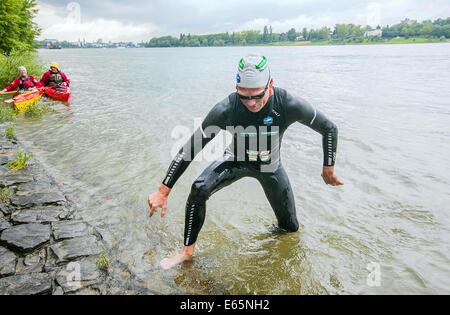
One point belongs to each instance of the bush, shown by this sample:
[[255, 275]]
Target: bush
[[9, 65], [18, 31]]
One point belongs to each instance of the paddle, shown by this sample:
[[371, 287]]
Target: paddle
[[6, 93], [9, 93]]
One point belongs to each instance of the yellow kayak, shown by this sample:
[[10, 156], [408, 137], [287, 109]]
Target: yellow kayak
[[23, 101]]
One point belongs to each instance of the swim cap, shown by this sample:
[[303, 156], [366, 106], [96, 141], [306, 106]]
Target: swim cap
[[253, 72]]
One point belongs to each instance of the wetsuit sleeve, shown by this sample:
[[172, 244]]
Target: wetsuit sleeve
[[214, 122], [300, 110]]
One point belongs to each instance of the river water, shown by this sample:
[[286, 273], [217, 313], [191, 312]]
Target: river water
[[386, 231]]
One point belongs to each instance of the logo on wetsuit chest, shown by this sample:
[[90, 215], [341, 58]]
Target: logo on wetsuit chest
[[268, 121], [264, 156]]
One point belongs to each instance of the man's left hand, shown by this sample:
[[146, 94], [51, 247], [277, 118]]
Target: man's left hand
[[329, 177]]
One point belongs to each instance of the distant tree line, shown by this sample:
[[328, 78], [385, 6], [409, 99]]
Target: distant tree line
[[342, 33], [439, 28]]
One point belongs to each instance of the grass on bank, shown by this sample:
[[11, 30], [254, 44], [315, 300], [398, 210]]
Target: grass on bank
[[21, 161], [393, 41], [38, 109], [288, 43], [10, 133], [5, 195], [35, 111], [7, 114], [103, 263], [417, 40], [9, 65]]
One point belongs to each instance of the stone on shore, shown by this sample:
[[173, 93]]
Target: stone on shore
[[7, 262], [4, 224], [58, 291], [69, 229], [75, 248], [44, 249], [30, 284], [6, 146], [6, 157], [26, 237], [26, 199], [5, 209], [33, 263], [79, 275], [40, 215], [8, 178]]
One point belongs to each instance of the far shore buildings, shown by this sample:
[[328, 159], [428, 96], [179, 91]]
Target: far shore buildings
[[374, 33], [52, 44], [82, 43]]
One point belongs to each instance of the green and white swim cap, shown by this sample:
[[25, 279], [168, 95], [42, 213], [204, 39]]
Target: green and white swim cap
[[253, 72]]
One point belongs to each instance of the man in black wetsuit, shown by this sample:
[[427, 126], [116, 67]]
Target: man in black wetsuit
[[257, 115]]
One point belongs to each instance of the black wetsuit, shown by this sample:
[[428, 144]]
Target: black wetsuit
[[254, 152]]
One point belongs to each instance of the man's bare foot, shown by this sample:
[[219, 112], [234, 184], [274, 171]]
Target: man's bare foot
[[174, 260]]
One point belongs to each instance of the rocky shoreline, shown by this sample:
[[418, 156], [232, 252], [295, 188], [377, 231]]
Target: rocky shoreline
[[45, 248]]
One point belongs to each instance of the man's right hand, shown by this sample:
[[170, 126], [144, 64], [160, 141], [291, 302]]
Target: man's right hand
[[159, 200]]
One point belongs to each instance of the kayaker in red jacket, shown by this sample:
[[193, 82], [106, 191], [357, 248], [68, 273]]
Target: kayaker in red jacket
[[55, 77], [23, 82]]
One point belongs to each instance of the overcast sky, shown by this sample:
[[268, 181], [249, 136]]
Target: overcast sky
[[136, 20]]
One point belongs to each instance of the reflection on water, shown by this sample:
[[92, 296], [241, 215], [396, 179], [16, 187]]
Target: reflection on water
[[112, 147]]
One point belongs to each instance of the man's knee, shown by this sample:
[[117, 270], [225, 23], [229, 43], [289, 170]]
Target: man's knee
[[199, 190]]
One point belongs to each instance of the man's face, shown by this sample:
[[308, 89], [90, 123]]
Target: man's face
[[23, 72], [255, 105], [53, 69]]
